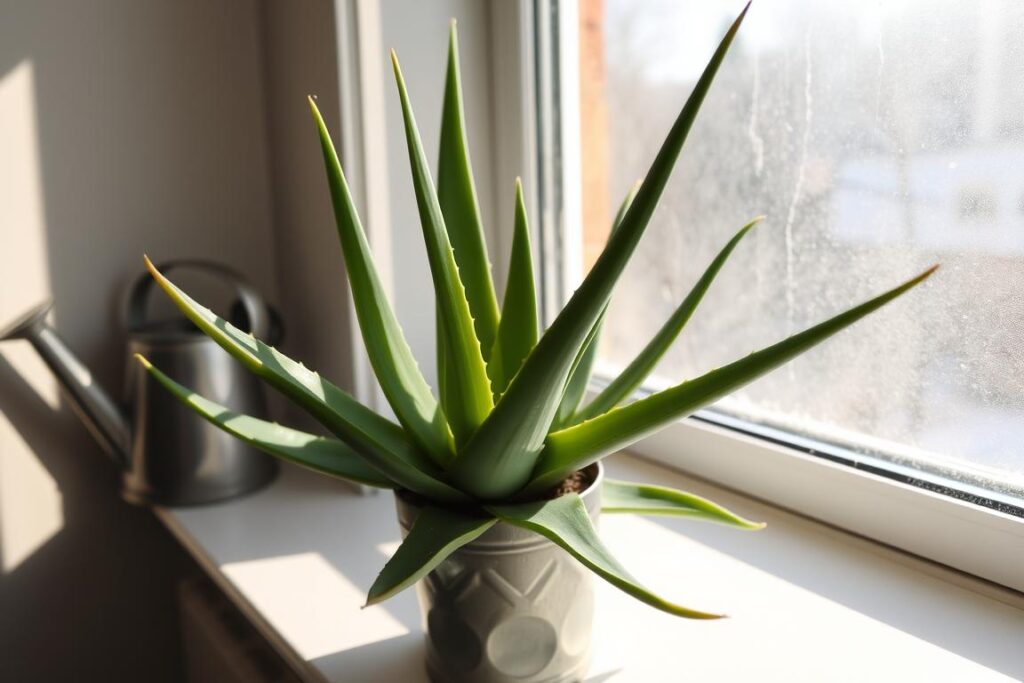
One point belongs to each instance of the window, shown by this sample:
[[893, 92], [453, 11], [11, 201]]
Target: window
[[878, 139]]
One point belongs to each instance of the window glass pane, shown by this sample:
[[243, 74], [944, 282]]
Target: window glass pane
[[878, 138]]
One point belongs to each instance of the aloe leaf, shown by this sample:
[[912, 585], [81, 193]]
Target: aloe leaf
[[583, 367], [636, 372], [579, 375], [565, 521], [328, 456], [644, 499], [381, 442], [517, 332], [436, 534], [575, 447], [393, 363], [445, 378], [499, 458], [456, 193], [464, 361]]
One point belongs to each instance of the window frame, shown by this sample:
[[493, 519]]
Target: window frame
[[524, 122], [927, 515]]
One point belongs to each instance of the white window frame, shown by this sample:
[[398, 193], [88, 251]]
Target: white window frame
[[980, 541]]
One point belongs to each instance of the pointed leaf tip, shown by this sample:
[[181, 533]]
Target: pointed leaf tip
[[435, 534], [518, 326], [565, 522], [647, 499], [913, 282]]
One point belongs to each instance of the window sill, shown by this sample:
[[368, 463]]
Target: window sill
[[806, 601], [973, 539]]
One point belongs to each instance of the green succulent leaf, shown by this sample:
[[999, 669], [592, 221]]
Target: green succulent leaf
[[499, 458], [393, 363], [638, 370], [644, 499], [446, 379], [565, 521], [379, 441], [579, 376], [456, 193], [576, 447], [436, 534], [464, 361], [328, 456], [517, 332]]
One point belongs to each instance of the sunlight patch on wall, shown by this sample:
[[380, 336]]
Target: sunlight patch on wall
[[24, 272], [24, 266], [31, 509], [310, 603]]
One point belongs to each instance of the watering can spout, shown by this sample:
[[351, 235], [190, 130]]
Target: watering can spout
[[167, 454], [91, 403]]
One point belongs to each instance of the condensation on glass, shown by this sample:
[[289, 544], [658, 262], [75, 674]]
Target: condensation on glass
[[878, 138]]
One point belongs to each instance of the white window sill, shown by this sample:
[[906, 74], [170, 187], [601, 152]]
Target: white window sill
[[807, 602]]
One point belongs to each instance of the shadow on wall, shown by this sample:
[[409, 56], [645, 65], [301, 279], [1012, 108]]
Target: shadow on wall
[[96, 600], [126, 127]]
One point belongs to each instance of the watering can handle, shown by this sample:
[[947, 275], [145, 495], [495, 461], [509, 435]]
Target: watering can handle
[[256, 311]]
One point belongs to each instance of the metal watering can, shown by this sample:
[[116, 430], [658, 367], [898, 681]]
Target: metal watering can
[[168, 454]]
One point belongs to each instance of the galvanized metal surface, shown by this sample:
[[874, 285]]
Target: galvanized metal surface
[[169, 455]]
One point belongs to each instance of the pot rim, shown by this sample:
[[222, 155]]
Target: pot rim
[[503, 538], [595, 483], [415, 500]]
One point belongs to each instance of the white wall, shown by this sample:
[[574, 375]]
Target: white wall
[[124, 127]]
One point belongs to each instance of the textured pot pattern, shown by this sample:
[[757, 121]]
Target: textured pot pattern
[[511, 606]]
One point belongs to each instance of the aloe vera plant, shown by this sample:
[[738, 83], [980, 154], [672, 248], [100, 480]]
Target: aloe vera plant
[[509, 422]]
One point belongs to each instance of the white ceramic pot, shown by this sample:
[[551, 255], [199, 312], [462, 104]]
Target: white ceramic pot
[[510, 606]]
